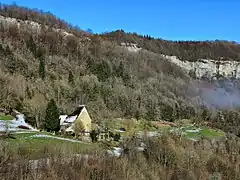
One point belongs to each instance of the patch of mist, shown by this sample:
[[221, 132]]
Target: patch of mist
[[219, 94]]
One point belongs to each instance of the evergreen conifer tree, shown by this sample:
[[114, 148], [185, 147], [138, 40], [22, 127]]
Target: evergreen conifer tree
[[120, 70], [32, 45], [52, 122], [70, 77], [41, 69], [137, 115]]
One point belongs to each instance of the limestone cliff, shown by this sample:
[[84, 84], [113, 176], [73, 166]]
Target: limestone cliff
[[209, 68]]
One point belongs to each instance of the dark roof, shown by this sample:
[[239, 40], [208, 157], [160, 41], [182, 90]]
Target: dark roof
[[77, 111]]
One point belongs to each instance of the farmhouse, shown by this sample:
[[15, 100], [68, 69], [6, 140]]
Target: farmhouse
[[80, 114]]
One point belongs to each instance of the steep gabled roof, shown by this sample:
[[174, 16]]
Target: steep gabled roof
[[77, 111], [71, 117]]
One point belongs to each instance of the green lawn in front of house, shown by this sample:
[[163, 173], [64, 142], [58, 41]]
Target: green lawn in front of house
[[6, 117], [40, 146]]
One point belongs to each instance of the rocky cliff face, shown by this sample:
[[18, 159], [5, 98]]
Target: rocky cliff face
[[209, 68], [220, 93], [203, 68], [131, 47]]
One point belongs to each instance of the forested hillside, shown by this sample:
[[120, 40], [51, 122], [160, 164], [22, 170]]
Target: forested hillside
[[184, 50], [76, 67]]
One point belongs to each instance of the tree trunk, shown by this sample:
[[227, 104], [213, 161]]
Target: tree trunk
[[37, 121]]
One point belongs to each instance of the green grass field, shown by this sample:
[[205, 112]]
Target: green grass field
[[6, 117], [207, 133], [38, 146], [187, 129], [192, 132]]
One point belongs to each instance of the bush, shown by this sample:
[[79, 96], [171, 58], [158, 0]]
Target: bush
[[117, 137], [94, 136]]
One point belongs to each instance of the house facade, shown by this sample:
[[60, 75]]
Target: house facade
[[67, 122]]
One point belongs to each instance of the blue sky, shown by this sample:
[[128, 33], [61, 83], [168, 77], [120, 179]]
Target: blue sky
[[167, 19]]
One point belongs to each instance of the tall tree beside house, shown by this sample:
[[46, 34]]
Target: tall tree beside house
[[41, 69], [79, 128], [52, 122]]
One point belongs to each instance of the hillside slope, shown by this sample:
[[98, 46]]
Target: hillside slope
[[184, 50], [54, 60]]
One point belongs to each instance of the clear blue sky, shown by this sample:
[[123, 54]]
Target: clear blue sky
[[167, 19]]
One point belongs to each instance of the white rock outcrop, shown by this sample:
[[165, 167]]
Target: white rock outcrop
[[34, 25], [208, 68], [131, 47]]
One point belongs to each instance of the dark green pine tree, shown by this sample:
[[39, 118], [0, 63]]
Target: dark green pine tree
[[12, 64], [41, 69], [150, 114], [137, 115], [52, 122], [28, 93], [8, 51], [70, 77], [120, 70], [32, 46]]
